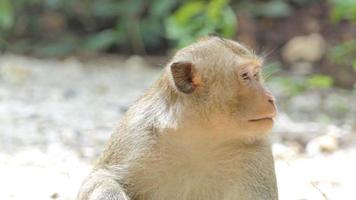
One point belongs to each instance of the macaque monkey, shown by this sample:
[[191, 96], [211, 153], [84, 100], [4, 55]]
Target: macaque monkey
[[199, 133]]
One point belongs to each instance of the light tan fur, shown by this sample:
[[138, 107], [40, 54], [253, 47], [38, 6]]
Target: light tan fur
[[207, 140]]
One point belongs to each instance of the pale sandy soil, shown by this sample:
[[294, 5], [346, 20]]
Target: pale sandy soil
[[55, 117]]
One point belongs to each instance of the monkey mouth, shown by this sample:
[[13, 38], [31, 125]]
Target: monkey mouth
[[261, 119]]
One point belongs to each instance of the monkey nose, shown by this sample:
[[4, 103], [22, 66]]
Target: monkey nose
[[271, 101], [270, 98]]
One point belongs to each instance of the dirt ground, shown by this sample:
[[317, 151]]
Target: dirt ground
[[55, 116]]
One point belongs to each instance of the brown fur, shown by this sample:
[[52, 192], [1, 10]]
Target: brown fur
[[200, 132]]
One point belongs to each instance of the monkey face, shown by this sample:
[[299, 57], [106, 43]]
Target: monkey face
[[255, 105], [241, 101], [222, 79]]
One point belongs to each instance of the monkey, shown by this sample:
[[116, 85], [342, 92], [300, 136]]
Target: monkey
[[200, 132]]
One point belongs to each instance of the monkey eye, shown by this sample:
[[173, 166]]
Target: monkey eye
[[245, 76], [255, 76]]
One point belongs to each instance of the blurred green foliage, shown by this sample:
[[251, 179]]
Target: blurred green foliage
[[293, 85], [89, 26], [270, 9], [6, 14], [344, 54], [319, 81], [69, 26], [63, 27], [343, 9], [199, 18], [59, 27]]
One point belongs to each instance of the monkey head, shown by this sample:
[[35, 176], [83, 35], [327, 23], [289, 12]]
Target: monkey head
[[218, 82]]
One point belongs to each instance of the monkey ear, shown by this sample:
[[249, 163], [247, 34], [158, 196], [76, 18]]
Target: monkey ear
[[183, 76]]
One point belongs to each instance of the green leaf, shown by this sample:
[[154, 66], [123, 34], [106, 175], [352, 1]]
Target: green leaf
[[59, 48], [175, 30], [183, 33], [354, 65], [196, 18], [215, 9], [6, 14], [343, 53], [320, 81], [343, 9], [160, 9], [150, 31], [187, 11], [124, 9], [229, 23], [100, 41], [273, 9]]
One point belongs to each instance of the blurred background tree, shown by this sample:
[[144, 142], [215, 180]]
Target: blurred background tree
[[279, 28]]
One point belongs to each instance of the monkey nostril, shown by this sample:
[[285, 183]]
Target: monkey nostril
[[271, 101]]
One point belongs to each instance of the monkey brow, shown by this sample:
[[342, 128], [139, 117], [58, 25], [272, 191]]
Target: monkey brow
[[253, 63]]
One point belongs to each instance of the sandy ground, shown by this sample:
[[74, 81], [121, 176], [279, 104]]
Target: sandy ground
[[55, 117]]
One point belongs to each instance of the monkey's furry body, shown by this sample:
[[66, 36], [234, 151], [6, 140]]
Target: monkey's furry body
[[200, 132]]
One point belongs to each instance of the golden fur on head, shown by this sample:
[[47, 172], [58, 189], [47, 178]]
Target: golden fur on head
[[220, 98]]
